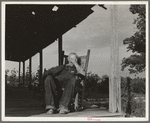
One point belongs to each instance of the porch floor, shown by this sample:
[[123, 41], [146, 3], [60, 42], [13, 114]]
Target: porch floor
[[20, 103]]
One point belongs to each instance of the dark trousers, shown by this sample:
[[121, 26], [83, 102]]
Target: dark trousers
[[54, 97]]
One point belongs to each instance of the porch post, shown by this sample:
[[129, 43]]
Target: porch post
[[62, 58], [30, 70], [60, 50], [114, 83], [23, 72], [19, 72], [41, 66]]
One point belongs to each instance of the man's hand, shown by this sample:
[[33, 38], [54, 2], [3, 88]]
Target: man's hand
[[78, 67], [74, 61]]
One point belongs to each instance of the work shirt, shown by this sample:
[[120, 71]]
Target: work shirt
[[63, 72]]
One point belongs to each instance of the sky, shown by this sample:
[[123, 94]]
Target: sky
[[93, 33]]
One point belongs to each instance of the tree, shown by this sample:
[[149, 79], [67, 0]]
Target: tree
[[104, 84], [6, 75], [6, 72], [137, 42], [13, 77], [91, 86]]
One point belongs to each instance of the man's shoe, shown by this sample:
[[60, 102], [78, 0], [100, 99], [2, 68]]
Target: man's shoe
[[62, 111], [50, 111]]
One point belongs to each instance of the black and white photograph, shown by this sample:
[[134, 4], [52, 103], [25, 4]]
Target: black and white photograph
[[75, 61]]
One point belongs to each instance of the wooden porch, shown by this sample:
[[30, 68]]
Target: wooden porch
[[20, 103]]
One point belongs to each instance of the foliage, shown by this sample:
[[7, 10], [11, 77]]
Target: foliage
[[138, 107], [38, 73], [6, 72], [137, 42], [34, 77], [104, 88], [91, 85], [27, 76], [125, 94], [138, 85], [130, 89], [13, 76], [96, 86], [13, 79]]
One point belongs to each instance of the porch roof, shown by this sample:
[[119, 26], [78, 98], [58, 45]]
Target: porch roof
[[30, 28]]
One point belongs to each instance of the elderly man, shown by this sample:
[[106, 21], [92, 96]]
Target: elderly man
[[59, 77]]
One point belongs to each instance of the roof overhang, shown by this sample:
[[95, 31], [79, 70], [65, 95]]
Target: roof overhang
[[30, 28]]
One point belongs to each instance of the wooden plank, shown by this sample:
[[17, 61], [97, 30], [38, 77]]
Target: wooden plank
[[114, 83], [60, 50], [41, 66]]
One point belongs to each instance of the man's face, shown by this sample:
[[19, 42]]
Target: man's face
[[72, 58]]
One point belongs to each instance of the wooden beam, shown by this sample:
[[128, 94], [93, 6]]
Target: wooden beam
[[6, 82], [60, 51], [30, 70], [86, 68], [19, 72], [23, 72], [63, 53], [41, 66], [114, 83]]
